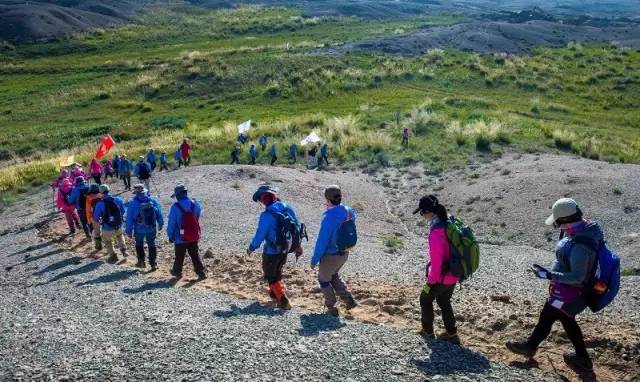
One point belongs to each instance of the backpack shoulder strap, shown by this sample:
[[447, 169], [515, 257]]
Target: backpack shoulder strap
[[587, 242]]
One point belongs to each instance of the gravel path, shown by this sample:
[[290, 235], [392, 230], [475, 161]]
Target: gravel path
[[63, 317]]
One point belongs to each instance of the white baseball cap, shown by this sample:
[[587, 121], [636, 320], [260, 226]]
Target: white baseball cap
[[562, 208]]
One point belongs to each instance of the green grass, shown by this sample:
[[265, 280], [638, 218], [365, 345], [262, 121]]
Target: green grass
[[184, 71]]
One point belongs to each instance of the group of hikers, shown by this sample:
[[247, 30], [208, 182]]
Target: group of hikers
[[584, 273], [317, 155]]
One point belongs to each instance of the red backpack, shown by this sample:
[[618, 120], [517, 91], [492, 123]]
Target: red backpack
[[190, 231]]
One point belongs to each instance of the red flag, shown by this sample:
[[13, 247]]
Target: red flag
[[106, 145]]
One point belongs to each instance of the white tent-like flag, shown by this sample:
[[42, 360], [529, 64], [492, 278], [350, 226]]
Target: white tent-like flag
[[311, 138], [244, 127]]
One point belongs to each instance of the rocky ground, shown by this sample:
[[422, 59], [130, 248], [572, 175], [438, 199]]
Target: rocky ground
[[501, 302]]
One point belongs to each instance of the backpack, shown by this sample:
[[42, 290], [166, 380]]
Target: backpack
[[604, 283], [147, 215], [190, 230], [288, 235], [144, 172], [83, 198], [347, 235], [465, 251], [112, 215]]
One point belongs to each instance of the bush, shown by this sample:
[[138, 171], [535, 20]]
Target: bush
[[563, 139], [456, 131], [168, 122]]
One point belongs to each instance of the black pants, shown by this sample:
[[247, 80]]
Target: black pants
[[108, 175], [405, 141], [235, 159], [126, 179], [252, 160], [85, 224], [325, 159], [272, 267], [548, 317], [273, 159], [181, 251], [153, 165], [293, 159], [96, 178], [163, 166], [442, 295]]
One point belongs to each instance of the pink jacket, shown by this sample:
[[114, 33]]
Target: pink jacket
[[95, 167], [439, 252], [63, 190]]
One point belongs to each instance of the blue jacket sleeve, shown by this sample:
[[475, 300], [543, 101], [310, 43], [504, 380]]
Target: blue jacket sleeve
[[292, 213], [322, 242], [197, 208], [136, 170], [120, 205], [159, 217], [261, 232], [73, 197], [98, 211], [132, 210], [172, 225]]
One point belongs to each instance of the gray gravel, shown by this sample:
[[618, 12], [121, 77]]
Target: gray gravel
[[63, 317]]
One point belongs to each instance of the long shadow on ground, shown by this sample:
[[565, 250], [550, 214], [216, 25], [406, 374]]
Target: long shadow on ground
[[34, 247], [315, 323], [254, 309], [58, 265], [447, 358], [162, 284], [110, 278], [92, 266]]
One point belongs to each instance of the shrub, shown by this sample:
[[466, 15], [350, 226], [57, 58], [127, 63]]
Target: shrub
[[456, 131], [168, 122], [617, 190], [392, 242], [563, 139]]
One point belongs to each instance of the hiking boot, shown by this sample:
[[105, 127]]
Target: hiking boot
[[284, 303], [521, 348], [154, 267], [449, 337], [333, 311], [97, 244], [72, 231], [350, 304], [112, 259], [202, 277], [124, 252], [577, 362], [78, 225], [425, 333], [140, 264], [175, 274]]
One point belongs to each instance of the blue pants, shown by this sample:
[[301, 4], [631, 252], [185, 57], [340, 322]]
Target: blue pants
[[151, 243]]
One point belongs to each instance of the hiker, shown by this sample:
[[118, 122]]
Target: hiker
[[405, 137], [242, 138], [235, 155], [440, 283], [252, 154], [125, 171], [92, 198], [163, 161], [143, 172], [95, 169], [274, 256], [108, 170], [76, 171], [293, 153], [151, 159], [57, 182], [569, 278], [115, 163], [178, 156], [144, 219], [183, 230], [79, 197], [64, 204], [263, 142], [185, 152], [331, 252], [109, 212], [324, 154], [272, 152]]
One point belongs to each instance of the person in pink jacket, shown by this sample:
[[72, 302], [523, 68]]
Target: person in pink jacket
[[67, 207], [76, 171], [95, 168], [440, 284]]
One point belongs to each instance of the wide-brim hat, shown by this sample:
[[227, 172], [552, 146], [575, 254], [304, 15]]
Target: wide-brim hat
[[179, 189], [263, 189]]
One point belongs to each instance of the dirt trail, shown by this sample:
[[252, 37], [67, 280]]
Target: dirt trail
[[484, 325]]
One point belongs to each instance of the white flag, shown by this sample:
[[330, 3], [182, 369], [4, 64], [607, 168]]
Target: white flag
[[244, 127], [311, 138]]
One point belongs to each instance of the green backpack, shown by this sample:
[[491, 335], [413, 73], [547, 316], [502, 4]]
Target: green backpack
[[465, 251]]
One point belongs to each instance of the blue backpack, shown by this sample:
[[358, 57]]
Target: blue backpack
[[347, 235], [604, 284]]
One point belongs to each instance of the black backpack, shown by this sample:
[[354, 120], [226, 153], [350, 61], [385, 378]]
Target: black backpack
[[112, 215], [83, 198], [288, 234], [147, 214], [144, 172]]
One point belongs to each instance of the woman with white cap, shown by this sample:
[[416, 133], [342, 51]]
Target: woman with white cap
[[569, 278]]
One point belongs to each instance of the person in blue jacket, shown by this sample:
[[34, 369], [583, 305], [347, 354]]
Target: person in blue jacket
[[273, 257], [125, 168], [252, 154], [78, 197], [272, 152], [178, 157], [115, 163], [163, 161], [324, 155], [151, 159], [144, 219], [176, 231], [263, 142], [327, 254], [293, 153], [143, 172], [109, 212]]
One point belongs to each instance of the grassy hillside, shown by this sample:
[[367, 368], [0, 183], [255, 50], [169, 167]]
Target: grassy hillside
[[190, 72]]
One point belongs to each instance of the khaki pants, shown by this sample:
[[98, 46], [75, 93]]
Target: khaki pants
[[96, 230], [109, 236], [331, 283]]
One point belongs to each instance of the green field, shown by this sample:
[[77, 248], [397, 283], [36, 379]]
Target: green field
[[184, 71]]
